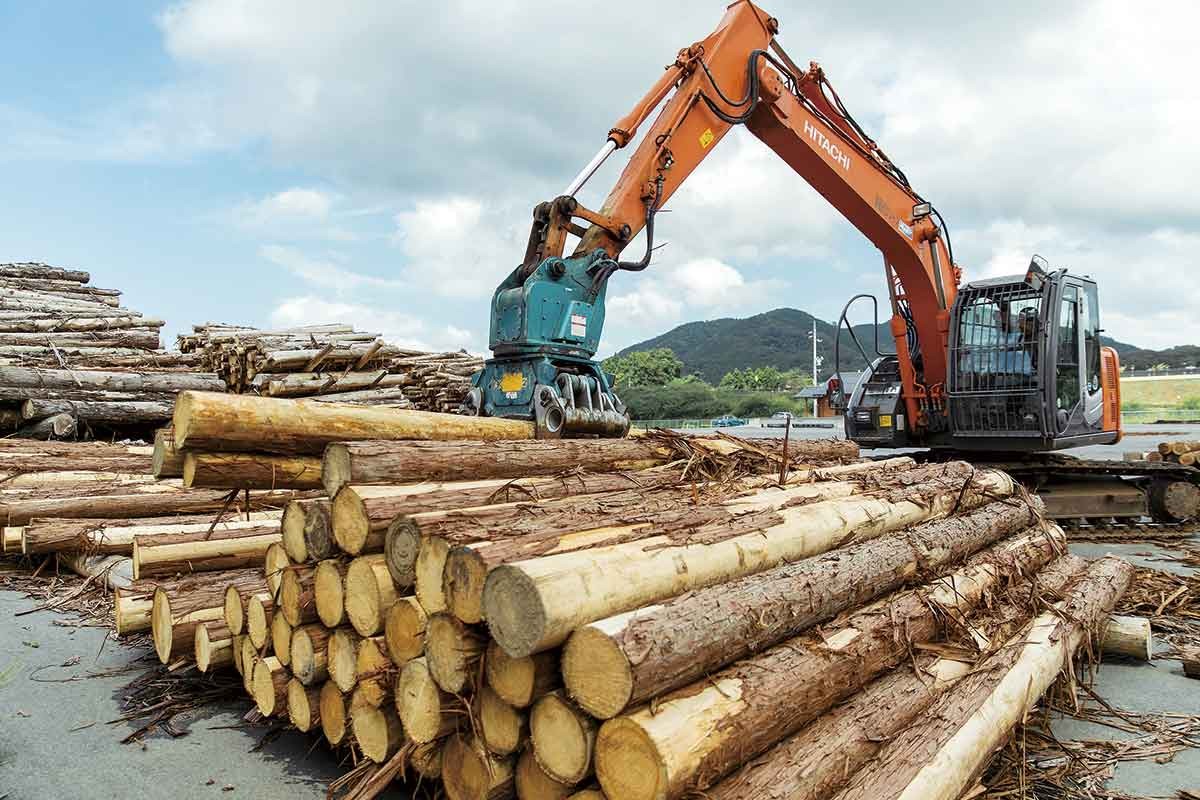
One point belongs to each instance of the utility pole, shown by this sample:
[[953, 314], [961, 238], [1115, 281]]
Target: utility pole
[[816, 360]]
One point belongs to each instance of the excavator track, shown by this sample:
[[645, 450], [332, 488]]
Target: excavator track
[[1104, 497]]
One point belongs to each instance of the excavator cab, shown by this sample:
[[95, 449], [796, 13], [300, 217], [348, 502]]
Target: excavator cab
[[1027, 370]]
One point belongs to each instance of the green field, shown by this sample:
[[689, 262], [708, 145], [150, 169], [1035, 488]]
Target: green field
[[1165, 393]]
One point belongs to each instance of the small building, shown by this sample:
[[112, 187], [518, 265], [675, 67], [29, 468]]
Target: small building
[[822, 393]]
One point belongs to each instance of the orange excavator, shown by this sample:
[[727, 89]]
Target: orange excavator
[[1006, 369]]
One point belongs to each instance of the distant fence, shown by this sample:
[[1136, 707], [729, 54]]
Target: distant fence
[[1181, 372], [672, 423]]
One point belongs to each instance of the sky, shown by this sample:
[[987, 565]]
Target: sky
[[279, 162]]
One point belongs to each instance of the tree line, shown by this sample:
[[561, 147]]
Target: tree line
[[653, 385]]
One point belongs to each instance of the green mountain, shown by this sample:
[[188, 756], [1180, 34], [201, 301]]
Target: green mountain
[[780, 338]]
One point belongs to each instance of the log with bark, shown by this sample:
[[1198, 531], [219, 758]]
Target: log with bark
[[251, 471], [181, 596], [536, 604], [532, 782], [124, 412], [308, 654], [307, 530], [502, 728], [56, 426], [270, 686], [369, 593], [297, 595], [203, 551], [224, 422], [404, 630], [167, 461], [393, 462], [377, 731], [940, 756], [742, 710], [520, 681], [627, 659], [116, 536], [163, 500], [303, 705], [453, 650], [213, 646], [334, 713], [819, 759]]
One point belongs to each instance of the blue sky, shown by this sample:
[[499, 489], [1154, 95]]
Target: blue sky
[[285, 161]]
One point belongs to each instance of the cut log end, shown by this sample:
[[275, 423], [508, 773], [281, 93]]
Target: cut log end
[[1129, 637], [452, 649], [292, 528], [563, 738], [235, 613], [304, 705], [377, 731], [274, 563], [502, 728], [427, 712], [463, 580], [328, 583], [270, 686], [520, 681], [513, 608], [281, 639], [161, 624], [334, 713], [628, 764], [259, 611], [469, 772], [308, 653], [430, 567], [369, 594], [335, 468], [351, 524], [295, 596], [214, 646], [533, 783], [597, 672], [426, 759], [341, 658], [401, 547], [404, 630]]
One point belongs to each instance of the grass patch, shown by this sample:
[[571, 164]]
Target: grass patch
[[1168, 392]]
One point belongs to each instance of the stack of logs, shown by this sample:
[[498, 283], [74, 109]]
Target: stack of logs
[[331, 362], [100, 511], [641, 618], [1186, 453], [71, 356]]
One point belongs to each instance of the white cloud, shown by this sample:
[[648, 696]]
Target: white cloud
[[292, 204], [456, 247], [323, 273], [398, 328]]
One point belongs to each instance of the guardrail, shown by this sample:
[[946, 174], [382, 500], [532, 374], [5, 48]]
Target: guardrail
[[1149, 415], [1174, 372], [672, 424]]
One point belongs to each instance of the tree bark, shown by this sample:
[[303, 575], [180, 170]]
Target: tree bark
[[740, 711], [109, 381], [29, 269], [303, 384], [428, 712], [251, 471], [222, 422], [58, 426], [534, 605], [108, 537], [140, 338], [819, 759], [382, 505], [940, 756], [392, 462], [174, 553], [480, 545], [174, 599], [614, 663], [78, 324], [125, 412], [134, 505]]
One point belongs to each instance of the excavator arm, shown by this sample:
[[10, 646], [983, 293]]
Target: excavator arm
[[738, 75]]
